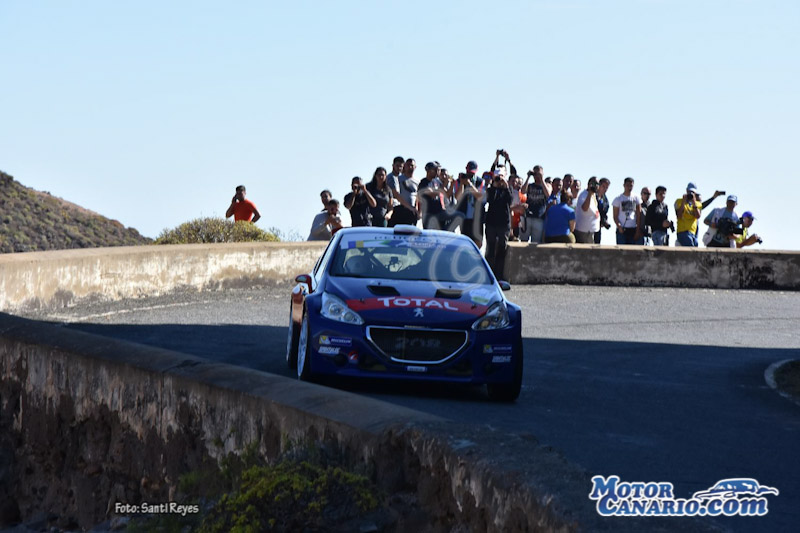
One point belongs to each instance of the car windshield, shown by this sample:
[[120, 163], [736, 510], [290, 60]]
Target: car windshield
[[409, 257]]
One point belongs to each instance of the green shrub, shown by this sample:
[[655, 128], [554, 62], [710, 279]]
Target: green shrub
[[291, 496], [210, 230]]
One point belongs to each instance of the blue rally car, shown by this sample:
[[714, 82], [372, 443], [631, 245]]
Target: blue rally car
[[405, 303]]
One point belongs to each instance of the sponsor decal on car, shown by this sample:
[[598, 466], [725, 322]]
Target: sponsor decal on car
[[501, 359], [481, 296], [327, 340], [329, 350], [497, 348], [399, 241], [397, 302]]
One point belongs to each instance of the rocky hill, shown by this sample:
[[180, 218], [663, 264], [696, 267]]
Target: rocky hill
[[31, 220]]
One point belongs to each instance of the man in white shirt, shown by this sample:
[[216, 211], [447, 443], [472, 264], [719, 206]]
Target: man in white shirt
[[627, 211], [587, 214]]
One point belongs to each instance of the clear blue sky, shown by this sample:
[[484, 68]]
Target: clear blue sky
[[152, 112]]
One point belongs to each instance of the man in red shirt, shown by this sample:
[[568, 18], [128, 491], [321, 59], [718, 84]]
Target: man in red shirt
[[241, 208]]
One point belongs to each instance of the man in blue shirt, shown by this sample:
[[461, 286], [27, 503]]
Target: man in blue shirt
[[560, 222]]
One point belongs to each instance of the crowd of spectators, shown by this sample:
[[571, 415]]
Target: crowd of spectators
[[497, 206]]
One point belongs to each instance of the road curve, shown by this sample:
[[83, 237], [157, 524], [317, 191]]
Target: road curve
[[647, 384]]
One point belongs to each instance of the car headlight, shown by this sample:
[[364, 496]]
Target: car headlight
[[495, 318], [335, 309]]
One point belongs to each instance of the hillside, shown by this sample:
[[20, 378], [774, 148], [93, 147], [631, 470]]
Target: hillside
[[31, 220]]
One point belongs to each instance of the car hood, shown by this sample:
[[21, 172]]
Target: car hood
[[414, 303]]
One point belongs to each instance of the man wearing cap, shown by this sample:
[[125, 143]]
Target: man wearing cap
[[687, 209], [470, 203], [723, 221], [241, 208], [744, 239], [406, 194], [430, 197]]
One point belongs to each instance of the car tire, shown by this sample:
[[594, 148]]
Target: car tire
[[304, 351], [508, 392], [293, 337]]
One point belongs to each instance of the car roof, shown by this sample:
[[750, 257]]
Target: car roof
[[402, 230]]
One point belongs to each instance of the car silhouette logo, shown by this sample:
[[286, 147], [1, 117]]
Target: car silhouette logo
[[734, 488]]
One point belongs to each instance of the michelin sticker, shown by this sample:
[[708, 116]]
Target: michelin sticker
[[728, 497], [497, 348], [327, 340]]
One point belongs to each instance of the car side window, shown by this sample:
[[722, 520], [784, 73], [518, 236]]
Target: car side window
[[324, 259]]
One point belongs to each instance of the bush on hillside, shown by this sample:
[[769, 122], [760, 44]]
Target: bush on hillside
[[211, 229]]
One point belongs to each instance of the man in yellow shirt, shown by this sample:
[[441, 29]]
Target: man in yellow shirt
[[743, 239], [687, 209]]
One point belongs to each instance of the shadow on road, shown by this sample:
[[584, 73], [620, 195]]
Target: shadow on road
[[682, 413]]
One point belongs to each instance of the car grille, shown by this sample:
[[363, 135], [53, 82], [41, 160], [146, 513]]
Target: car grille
[[408, 345]]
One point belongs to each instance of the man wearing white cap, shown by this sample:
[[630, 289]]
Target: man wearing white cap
[[687, 209], [724, 221]]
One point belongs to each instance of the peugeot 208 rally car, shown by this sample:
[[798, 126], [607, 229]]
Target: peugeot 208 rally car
[[405, 303]]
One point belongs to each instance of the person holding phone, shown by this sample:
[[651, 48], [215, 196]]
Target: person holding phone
[[241, 208]]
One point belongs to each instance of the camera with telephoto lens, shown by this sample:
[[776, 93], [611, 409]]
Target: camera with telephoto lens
[[726, 226]]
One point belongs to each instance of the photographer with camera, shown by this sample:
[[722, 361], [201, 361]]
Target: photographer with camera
[[587, 214], [657, 218], [725, 223], [687, 209], [536, 194], [241, 208], [359, 202], [602, 205], [328, 222], [469, 203], [498, 222], [744, 239]]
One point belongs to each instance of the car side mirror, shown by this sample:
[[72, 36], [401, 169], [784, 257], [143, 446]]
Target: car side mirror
[[506, 286], [303, 278]]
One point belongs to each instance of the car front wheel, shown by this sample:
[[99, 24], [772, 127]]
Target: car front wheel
[[303, 351], [508, 392], [291, 342]]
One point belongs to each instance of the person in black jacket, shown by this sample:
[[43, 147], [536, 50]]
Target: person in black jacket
[[498, 223], [658, 218]]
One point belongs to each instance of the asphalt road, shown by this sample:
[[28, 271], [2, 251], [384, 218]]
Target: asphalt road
[[647, 384]]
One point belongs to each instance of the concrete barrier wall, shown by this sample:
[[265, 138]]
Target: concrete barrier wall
[[64, 277], [586, 264], [97, 421], [61, 278]]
